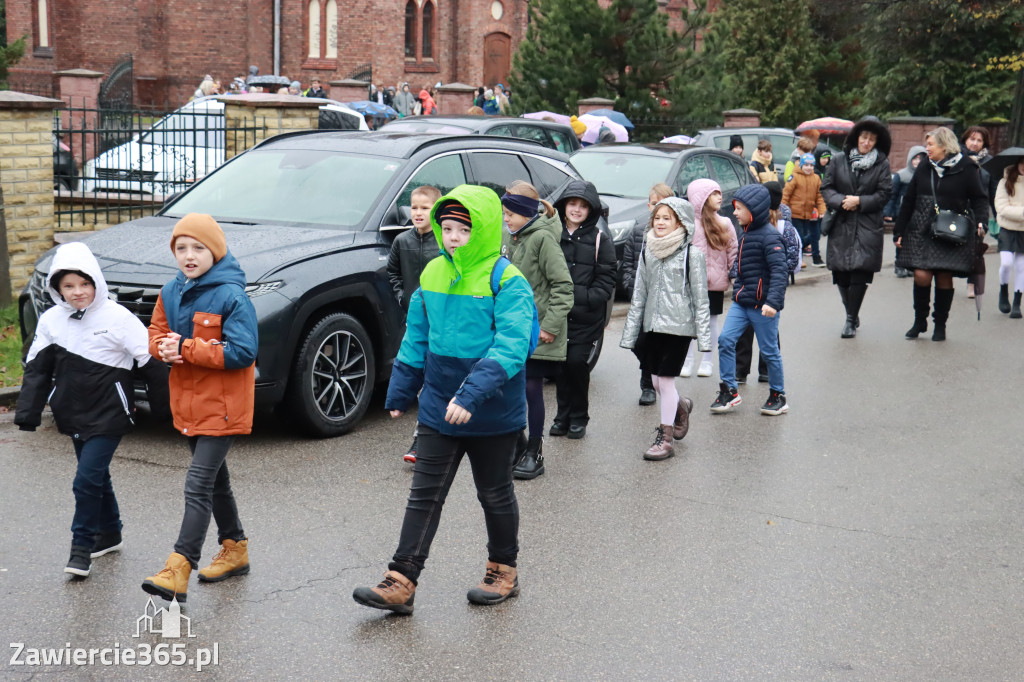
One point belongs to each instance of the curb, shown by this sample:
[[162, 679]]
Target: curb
[[9, 396]]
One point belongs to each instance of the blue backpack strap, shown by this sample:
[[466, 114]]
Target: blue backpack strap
[[497, 272]]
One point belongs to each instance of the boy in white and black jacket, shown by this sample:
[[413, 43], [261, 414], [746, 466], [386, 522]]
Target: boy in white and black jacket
[[81, 362]]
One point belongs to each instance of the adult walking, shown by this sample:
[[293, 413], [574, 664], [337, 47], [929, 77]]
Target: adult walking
[[857, 186], [975, 142], [591, 259], [948, 181], [1010, 216], [404, 101]]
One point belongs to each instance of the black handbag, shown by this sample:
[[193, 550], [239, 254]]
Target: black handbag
[[949, 226], [827, 221]]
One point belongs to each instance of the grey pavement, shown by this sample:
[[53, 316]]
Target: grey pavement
[[873, 533]]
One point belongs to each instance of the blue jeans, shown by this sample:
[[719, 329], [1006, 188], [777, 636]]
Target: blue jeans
[[767, 331], [208, 492], [96, 508], [810, 233]]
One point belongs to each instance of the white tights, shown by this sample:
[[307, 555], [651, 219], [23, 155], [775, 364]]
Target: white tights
[[666, 388], [1009, 260], [696, 356]]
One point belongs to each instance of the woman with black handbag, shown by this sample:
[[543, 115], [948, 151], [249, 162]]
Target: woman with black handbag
[[856, 189], [940, 222]]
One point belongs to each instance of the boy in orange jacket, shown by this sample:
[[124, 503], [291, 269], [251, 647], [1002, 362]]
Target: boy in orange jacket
[[803, 196]]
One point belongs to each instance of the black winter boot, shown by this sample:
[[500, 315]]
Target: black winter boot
[[943, 302], [854, 299], [922, 300], [647, 394], [1015, 311], [1004, 298], [532, 464]]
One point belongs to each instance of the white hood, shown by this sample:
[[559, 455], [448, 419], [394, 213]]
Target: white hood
[[77, 256]]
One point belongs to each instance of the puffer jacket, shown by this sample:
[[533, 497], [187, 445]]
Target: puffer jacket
[[803, 196], [761, 268], [719, 263], [534, 250], [671, 295], [762, 167], [91, 354], [1010, 209], [410, 253], [631, 250], [212, 391], [462, 340], [591, 265]]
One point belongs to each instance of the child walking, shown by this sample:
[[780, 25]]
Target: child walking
[[533, 248], [204, 326], [803, 196], [89, 343], [716, 239], [465, 346], [410, 253], [670, 304], [759, 295]]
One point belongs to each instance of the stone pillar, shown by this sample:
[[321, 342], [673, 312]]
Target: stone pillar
[[454, 98], [907, 131], [26, 175], [348, 90], [742, 118], [585, 106], [250, 119], [80, 90]]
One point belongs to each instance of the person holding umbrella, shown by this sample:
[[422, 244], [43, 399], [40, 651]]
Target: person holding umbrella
[[1010, 216]]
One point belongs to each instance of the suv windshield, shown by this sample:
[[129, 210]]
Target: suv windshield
[[627, 175], [291, 187]]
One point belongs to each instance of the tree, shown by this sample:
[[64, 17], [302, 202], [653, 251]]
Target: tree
[[9, 54], [766, 54]]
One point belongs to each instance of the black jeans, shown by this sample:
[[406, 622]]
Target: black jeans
[[437, 462], [207, 491], [744, 353], [95, 505], [572, 387]]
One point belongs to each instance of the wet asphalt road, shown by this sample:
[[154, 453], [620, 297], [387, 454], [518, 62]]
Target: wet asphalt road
[[873, 533]]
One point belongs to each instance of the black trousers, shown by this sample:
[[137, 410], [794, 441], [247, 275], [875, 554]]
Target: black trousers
[[208, 493], [437, 461], [744, 355], [572, 387]]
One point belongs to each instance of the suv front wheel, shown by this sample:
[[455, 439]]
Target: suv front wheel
[[332, 381]]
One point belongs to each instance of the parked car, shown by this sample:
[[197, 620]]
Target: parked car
[[181, 148], [625, 172], [65, 170], [552, 135], [783, 142], [311, 216]]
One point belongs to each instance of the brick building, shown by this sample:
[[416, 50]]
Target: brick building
[[173, 43]]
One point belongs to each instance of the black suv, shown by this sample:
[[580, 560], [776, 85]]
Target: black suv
[[311, 217], [551, 134]]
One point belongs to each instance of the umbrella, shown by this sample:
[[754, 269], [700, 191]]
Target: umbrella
[[826, 125], [616, 116], [596, 123], [542, 115], [375, 109], [679, 139], [1000, 161]]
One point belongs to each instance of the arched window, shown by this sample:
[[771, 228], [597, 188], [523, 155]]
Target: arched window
[[421, 32], [410, 29], [323, 30], [314, 29], [428, 31], [331, 19]]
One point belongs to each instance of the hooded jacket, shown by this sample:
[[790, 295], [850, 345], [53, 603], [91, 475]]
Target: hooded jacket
[[81, 361], [762, 167], [591, 260], [900, 180], [461, 340], [671, 294], [803, 196], [428, 102], [719, 263], [534, 250], [856, 240], [761, 268], [212, 391]]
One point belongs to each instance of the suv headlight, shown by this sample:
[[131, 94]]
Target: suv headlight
[[254, 290], [621, 228]]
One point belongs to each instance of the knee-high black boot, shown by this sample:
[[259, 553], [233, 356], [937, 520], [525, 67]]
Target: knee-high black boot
[[922, 300], [854, 299], [943, 302], [844, 294]]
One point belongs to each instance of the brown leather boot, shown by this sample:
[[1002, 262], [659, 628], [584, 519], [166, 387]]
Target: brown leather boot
[[682, 422], [172, 581], [662, 447], [231, 560], [500, 582], [394, 593]]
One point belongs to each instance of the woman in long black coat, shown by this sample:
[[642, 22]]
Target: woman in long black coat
[[958, 187], [857, 186]]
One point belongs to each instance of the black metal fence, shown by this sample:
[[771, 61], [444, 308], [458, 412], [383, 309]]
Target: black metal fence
[[114, 165]]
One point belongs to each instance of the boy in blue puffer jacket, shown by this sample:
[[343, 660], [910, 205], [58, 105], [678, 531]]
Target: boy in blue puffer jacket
[[759, 293]]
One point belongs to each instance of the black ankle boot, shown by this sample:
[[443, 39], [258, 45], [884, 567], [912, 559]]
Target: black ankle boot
[[849, 329], [853, 299], [1004, 298], [1015, 311], [922, 300], [943, 302], [532, 464]]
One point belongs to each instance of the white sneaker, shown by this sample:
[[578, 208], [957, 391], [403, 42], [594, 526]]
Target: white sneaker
[[687, 368], [705, 369]]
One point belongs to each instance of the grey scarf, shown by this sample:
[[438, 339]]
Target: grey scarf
[[948, 162], [861, 162], [663, 247]]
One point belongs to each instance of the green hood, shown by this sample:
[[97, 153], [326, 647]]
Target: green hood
[[484, 244]]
